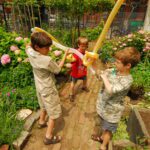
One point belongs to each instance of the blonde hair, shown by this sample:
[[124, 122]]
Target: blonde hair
[[128, 55], [82, 40]]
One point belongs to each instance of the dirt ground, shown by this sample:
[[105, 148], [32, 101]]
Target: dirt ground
[[78, 120]]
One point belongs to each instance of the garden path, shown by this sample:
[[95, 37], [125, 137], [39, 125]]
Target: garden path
[[77, 123]]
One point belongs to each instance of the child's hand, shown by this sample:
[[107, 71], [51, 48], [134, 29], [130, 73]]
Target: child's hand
[[97, 76], [70, 51], [66, 52], [104, 74], [28, 44]]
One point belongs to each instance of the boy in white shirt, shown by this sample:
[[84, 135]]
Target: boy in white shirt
[[44, 69]]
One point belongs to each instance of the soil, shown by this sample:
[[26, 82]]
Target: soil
[[146, 118]]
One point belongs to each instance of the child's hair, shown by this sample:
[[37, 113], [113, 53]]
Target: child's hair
[[128, 55], [40, 39], [82, 40]]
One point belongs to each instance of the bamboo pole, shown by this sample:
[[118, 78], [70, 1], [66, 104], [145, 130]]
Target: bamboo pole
[[49, 11], [39, 16], [20, 17], [32, 13], [28, 8], [25, 15], [14, 17]]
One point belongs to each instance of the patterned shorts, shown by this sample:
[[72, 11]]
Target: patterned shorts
[[51, 103], [108, 125]]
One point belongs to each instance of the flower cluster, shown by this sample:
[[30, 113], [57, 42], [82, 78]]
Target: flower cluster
[[5, 59], [138, 40], [8, 94], [17, 52]]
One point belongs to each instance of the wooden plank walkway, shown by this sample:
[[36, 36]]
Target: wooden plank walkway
[[78, 120]]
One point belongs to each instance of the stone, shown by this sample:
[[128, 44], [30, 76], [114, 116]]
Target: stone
[[23, 114], [21, 140], [31, 120]]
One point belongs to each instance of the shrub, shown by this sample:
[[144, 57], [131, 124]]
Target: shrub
[[141, 41], [10, 127]]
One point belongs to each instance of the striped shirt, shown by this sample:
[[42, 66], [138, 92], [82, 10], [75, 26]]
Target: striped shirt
[[111, 106]]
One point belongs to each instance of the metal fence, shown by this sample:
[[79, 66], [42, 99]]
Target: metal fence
[[22, 18]]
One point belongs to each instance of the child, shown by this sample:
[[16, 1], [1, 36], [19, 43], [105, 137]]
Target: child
[[78, 70], [44, 69], [110, 102]]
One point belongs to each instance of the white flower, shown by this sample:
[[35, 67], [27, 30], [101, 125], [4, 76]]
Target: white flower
[[19, 59], [57, 53], [17, 52], [13, 48], [18, 39]]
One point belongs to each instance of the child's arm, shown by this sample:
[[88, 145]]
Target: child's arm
[[107, 84], [98, 73], [53, 66], [121, 85], [63, 59]]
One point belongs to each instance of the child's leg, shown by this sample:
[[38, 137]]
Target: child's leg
[[85, 83], [50, 128], [42, 116], [53, 109], [72, 88], [84, 87], [50, 138], [72, 91], [43, 112], [106, 136]]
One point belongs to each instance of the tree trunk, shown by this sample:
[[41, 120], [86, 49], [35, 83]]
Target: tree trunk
[[28, 8], [33, 19], [14, 17], [78, 25], [25, 15], [20, 18], [39, 16], [49, 12], [5, 17]]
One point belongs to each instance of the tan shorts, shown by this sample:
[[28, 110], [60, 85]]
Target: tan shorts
[[51, 103]]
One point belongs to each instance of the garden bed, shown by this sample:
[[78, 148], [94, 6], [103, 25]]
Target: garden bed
[[139, 126], [146, 119]]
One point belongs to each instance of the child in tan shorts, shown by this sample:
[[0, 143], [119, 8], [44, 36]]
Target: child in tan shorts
[[44, 69]]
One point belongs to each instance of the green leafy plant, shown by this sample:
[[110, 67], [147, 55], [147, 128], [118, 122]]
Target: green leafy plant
[[21, 97], [141, 41], [10, 126], [121, 132], [92, 34]]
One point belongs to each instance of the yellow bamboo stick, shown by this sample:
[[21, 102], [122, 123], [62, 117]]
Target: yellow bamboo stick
[[107, 25], [36, 29]]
